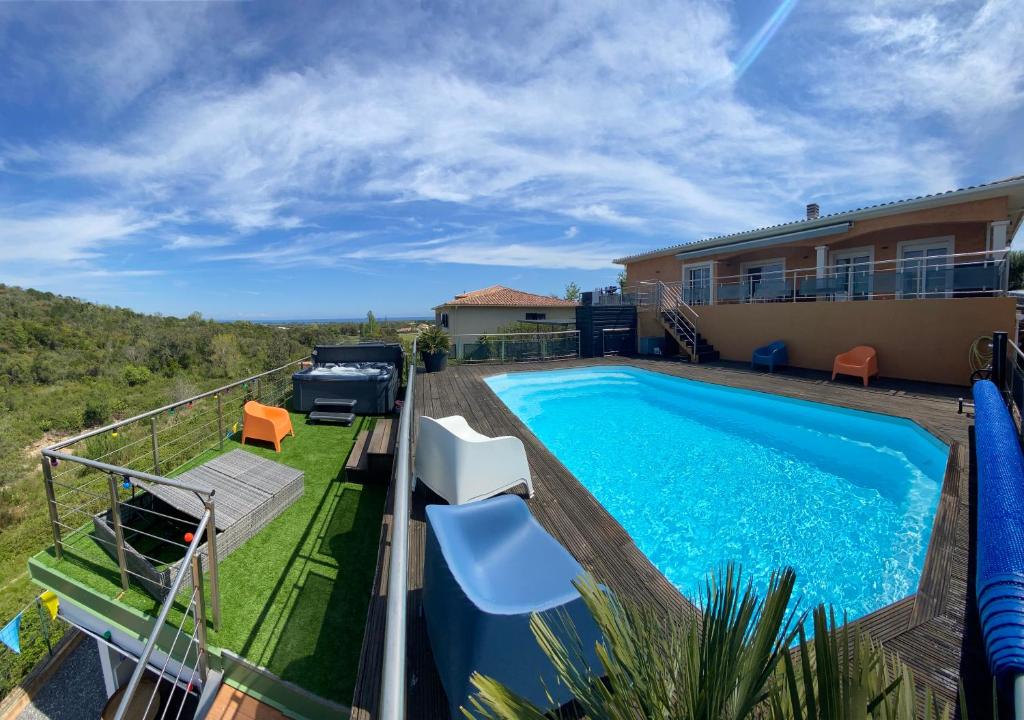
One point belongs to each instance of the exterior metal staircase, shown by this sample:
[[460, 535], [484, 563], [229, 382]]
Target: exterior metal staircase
[[681, 322]]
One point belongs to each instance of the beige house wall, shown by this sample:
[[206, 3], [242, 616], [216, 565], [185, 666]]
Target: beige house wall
[[469, 319], [924, 339]]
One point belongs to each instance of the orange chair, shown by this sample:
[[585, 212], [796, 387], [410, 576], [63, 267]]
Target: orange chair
[[861, 361], [262, 422]]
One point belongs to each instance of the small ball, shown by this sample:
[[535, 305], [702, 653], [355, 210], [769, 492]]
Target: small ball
[[189, 537]]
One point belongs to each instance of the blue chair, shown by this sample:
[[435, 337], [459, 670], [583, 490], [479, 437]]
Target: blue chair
[[489, 565], [772, 355]]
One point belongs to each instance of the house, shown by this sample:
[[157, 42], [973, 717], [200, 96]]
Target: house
[[919, 279], [489, 310]]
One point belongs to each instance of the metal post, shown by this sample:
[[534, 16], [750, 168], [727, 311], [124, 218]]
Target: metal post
[[51, 505], [200, 616], [503, 349], [220, 421], [256, 390], [156, 445], [115, 517], [211, 551], [999, 359]]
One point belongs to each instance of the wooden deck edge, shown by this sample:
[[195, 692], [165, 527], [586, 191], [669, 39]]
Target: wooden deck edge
[[932, 589], [365, 696]]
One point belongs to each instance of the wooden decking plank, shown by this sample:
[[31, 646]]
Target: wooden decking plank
[[929, 630]]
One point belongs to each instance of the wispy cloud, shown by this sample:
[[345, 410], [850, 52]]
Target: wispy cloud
[[66, 234], [326, 136], [587, 256]]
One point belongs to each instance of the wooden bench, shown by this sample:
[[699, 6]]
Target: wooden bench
[[383, 442], [358, 463]]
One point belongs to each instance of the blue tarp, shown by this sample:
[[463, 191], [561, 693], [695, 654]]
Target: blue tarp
[[1000, 547]]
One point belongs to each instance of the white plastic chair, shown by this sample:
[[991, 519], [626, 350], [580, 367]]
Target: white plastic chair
[[461, 465]]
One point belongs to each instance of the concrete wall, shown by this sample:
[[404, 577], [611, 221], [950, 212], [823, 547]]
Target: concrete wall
[[916, 339], [465, 320]]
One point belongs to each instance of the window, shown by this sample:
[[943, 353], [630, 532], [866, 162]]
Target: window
[[444, 320], [536, 316]]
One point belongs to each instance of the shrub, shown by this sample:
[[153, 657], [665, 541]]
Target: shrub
[[433, 339], [136, 375], [96, 412]]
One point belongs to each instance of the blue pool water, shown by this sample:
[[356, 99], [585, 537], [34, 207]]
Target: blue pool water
[[700, 474]]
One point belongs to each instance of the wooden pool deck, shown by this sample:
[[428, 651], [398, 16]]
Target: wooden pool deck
[[934, 631]]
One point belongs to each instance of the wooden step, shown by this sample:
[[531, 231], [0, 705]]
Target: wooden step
[[345, 418], [358, 462], [334, 404]]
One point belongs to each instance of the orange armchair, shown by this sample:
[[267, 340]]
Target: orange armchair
[[262, 422], [861, 361]]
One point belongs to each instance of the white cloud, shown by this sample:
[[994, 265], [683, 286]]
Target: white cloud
[[962, 61], [628, 117], [571, 232], [589, 256], [65, 234]]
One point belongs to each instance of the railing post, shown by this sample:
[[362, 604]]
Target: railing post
[[115, 519], [156, 445], [51, 505], [200, 617], [999, 359], [220, 421], [211, 552]]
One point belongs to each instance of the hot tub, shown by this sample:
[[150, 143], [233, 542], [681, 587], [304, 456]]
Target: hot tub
[[369, 373]]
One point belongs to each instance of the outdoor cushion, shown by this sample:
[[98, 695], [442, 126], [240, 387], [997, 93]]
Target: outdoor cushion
[[488, 566]]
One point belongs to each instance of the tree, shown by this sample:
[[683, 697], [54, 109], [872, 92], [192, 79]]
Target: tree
[[1016, 260], [226, 355], [372, 326], [622, 280], [572, 292]]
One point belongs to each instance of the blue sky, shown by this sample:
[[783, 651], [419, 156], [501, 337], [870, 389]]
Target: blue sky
[[303, 159]]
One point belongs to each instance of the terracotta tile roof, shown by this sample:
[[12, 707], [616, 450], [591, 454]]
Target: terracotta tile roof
[[501, 296], [957, 195]]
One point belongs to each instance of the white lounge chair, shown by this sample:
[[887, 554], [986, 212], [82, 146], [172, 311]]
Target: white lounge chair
[[461, 465]]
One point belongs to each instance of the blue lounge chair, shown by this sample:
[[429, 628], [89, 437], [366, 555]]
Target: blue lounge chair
[[999, 584], [772, 355], [489, 565]]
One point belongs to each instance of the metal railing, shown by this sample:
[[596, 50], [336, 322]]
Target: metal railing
[[86, 476], [194, 656], [515, 347], [393, 680], [669, 303], [970, 274]]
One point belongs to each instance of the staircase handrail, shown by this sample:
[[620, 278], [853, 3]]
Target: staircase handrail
[[161, 618], [670, 299]]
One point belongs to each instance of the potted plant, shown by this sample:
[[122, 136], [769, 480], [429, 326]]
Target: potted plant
[[433, 344]]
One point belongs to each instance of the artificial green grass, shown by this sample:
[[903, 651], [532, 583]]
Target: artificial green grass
[[294, 597]]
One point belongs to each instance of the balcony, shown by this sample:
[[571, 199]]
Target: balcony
[[977, 274]]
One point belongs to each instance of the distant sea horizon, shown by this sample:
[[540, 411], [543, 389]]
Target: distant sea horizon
[[322, 321]]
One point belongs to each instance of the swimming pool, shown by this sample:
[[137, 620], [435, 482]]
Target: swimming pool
[[699, 474]]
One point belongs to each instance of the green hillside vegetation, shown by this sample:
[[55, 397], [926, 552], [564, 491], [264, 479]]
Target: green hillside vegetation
[[66, 365]]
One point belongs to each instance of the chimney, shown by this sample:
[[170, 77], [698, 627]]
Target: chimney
[[813, 211]]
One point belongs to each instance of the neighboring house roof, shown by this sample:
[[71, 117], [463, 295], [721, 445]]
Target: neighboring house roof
[[974, 192], [501, 296]]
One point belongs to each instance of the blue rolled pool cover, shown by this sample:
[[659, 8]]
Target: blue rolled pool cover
[[1000, 547]]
